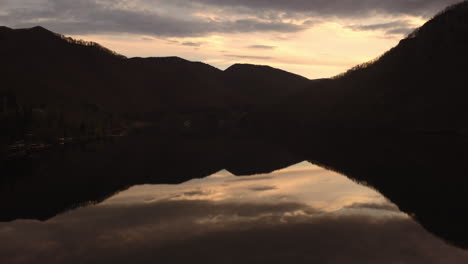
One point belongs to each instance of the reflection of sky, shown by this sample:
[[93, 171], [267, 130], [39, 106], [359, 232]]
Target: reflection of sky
[[301, 214], [303, 183]]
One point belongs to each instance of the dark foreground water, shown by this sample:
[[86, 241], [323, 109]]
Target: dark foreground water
[[301, 214]]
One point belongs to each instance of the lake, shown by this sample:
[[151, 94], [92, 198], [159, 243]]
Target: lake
[[299, 214]]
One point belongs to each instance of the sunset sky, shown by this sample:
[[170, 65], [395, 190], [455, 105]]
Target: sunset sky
[[314, 38]]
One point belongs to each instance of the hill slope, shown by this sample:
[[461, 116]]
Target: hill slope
[[418, 85], [43, 67]]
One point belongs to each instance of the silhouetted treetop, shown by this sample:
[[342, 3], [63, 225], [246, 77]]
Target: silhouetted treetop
[[90, 44], [40, 34], [241, 68]]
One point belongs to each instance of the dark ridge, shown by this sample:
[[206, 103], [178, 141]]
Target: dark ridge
[[40, 29], [170, 59], [65, 71], [447, 25], [455, 15], [263, 85], [416, 86], [241, 68], [173, 60], [5, 29]]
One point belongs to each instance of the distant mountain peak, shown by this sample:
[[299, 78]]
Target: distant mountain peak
[[249, 69], [39, 29], [168, 59], [239, 66]]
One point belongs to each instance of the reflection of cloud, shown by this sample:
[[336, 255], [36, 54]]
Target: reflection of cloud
[[195, 193], [208, 232], [251, 178], [375, 206], [303, 182], [262, 188]]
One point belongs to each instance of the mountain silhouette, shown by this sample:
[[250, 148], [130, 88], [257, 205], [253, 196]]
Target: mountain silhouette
[[43, 67], [257, 85], [419, 85]]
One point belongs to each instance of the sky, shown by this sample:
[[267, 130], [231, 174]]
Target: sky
[[313, 38]]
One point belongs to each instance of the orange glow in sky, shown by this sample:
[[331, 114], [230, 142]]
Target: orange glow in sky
[[322, 51]]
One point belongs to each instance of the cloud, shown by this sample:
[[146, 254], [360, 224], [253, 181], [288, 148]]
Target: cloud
[[400, 31], [251, 178], [181, 18], [263, 47], [191, 194], [249, 57], [195, 193], [89, 17], [191, 44], [209, 232], [397, 27], [338, 8], [262, 188], [384, 206]]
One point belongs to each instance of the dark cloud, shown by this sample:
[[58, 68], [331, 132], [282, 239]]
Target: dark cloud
[[88, 16], [383, 206], [250, 178], [263, 47], [220, 232], [339, 8], [175, 18], [196, 193], [400, 31], [253, 25], [262, 188], [391, 28], [191, 44]]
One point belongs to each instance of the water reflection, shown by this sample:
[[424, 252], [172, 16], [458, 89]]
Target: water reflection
[[303, 183], [302, 214]]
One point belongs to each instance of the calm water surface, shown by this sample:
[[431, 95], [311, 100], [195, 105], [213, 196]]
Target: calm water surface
[[300, 214]]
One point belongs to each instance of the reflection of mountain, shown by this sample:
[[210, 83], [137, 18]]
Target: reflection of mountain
[[56, 181], [398, 124]]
